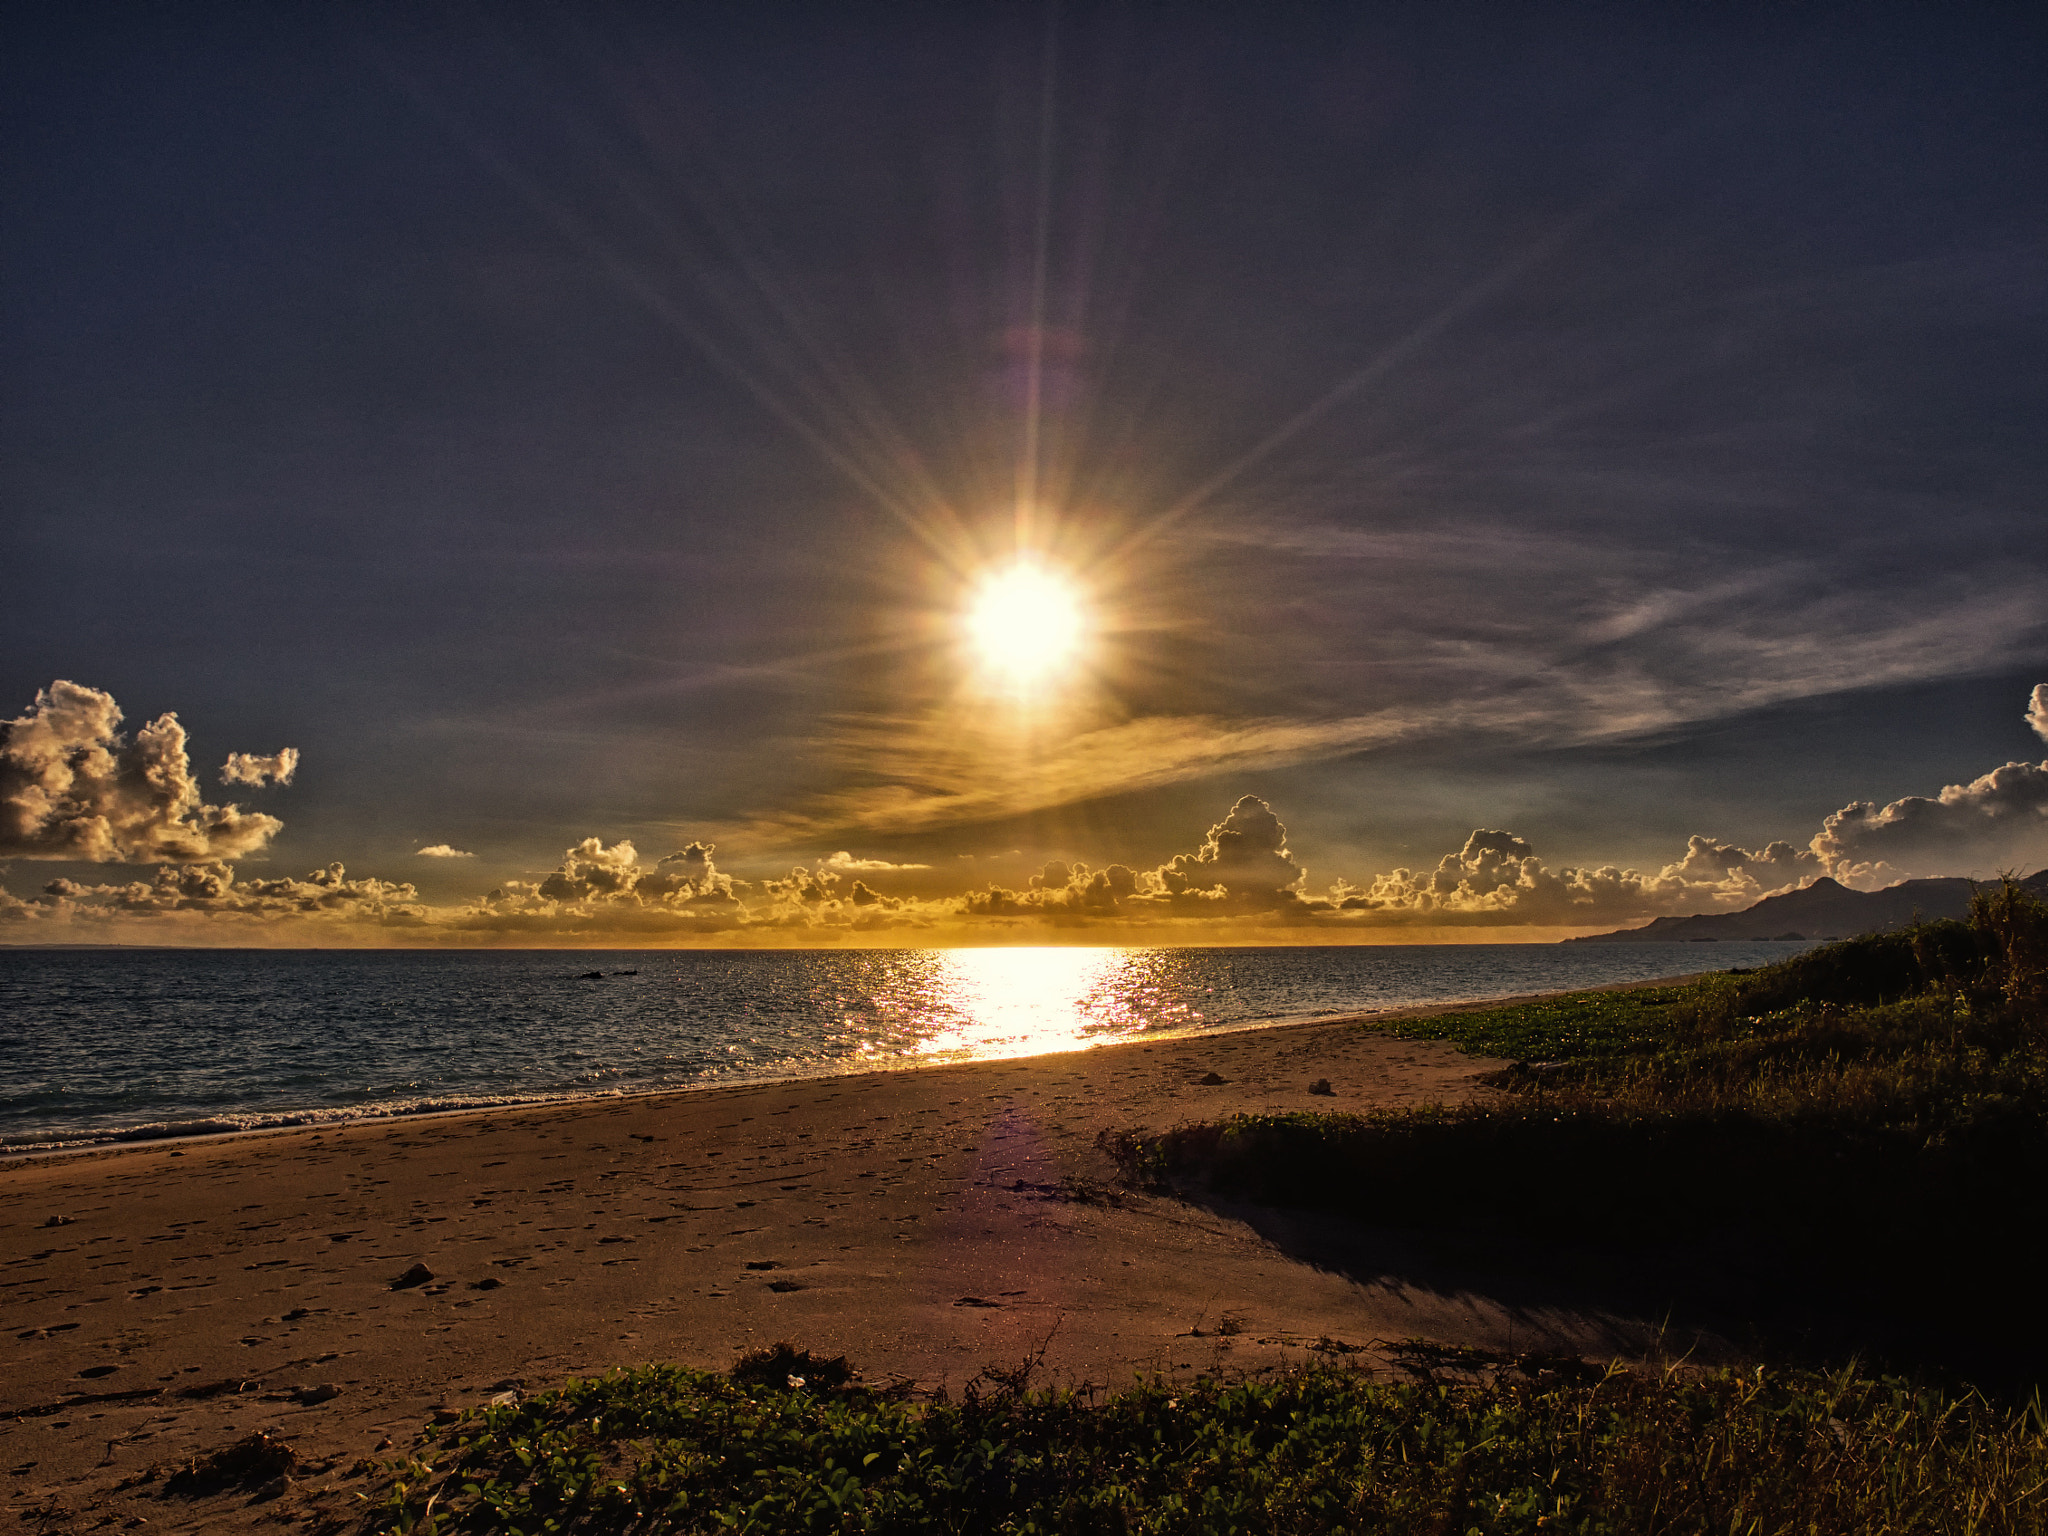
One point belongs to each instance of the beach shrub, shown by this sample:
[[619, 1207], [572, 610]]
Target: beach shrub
[[1845, 1150], [1497, 1446]]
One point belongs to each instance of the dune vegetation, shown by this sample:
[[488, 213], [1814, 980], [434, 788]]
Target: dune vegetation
[[1845, 1152], [1466, 1443]]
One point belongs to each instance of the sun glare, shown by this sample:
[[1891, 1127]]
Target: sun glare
[[1026, 626]]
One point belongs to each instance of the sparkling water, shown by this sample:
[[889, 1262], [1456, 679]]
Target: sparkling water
[[116, 1044]]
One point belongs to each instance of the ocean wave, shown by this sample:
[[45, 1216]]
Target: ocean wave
[[232, 1124]]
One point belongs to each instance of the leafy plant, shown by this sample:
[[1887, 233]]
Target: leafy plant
[[1496, 1445]]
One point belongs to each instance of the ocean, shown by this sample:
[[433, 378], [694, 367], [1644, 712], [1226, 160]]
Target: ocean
[[131, 1044]]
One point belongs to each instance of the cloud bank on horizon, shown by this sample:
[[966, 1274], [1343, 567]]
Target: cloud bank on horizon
[[74, 788]]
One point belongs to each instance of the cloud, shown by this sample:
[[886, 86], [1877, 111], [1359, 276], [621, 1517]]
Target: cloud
[[1243, 873], [846, 862], [1062, 890], [1497, 877], [1242, 867], [605, 889], [442, 851], [591, 871], [943, 771], [1636, 648], [248, 768], [689, 873], [72, 787], [2037, 710], [1244, 860], [211, 891], [2001, 816]]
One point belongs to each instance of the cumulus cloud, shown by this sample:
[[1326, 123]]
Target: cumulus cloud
[[211, 890], [599, 888], [1498, 877], [2000, 817], [72, 787], [1244, 860], [248, 768], [1243, 866], [591, 871], [442, 851], [1066, 890], [2037, 710], [1997, 819]]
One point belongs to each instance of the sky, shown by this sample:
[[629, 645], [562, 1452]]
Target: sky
[[983, 474]]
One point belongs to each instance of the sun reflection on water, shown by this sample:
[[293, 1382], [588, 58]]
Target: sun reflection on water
[[1027, 1002]]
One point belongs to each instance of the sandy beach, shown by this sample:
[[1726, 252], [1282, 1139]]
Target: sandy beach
[[163, 1300]]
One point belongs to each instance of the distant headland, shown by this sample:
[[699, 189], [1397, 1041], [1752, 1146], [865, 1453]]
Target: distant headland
[[1826, 909]]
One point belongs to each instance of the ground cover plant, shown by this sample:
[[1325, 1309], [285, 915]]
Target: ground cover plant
[[1847, 1149], [1491, 1445]]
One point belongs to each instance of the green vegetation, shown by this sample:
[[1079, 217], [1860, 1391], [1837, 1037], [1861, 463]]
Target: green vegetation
[[1844, 1151], [1497, 1447]]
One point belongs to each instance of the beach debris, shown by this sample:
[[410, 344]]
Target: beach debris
[[783, 1364], [763, 1264], [95, 1372], [307, 1397], [976, 1301], [1322, 1086], [488, 1283], [784, 1287], [591, 976], [419, 1274], [255, 1460], [59, 1221], [503, 1400], [1212, 1079]]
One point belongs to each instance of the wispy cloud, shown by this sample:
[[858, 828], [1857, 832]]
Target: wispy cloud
[[846, 863]]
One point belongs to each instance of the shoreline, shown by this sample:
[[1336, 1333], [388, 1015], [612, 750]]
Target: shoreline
[[311, 1119], [168, 1298]]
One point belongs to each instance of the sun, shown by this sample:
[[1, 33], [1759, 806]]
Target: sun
[[1026, 626]]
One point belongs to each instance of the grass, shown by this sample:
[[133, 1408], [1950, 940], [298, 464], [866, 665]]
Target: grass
[[1847, 1149], [1507, 1447]]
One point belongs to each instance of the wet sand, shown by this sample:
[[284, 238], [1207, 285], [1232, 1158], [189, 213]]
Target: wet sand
[[161, 1301]]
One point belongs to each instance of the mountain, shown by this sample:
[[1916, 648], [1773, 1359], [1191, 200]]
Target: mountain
[[1825, 909]]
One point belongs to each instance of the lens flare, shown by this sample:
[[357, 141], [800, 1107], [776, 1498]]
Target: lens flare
[[1026, 626]]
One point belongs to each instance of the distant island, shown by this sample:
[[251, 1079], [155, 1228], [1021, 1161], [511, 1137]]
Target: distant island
[[1826, 909]]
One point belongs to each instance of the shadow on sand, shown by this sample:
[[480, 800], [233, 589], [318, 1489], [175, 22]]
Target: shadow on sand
[[1714, 1238]]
